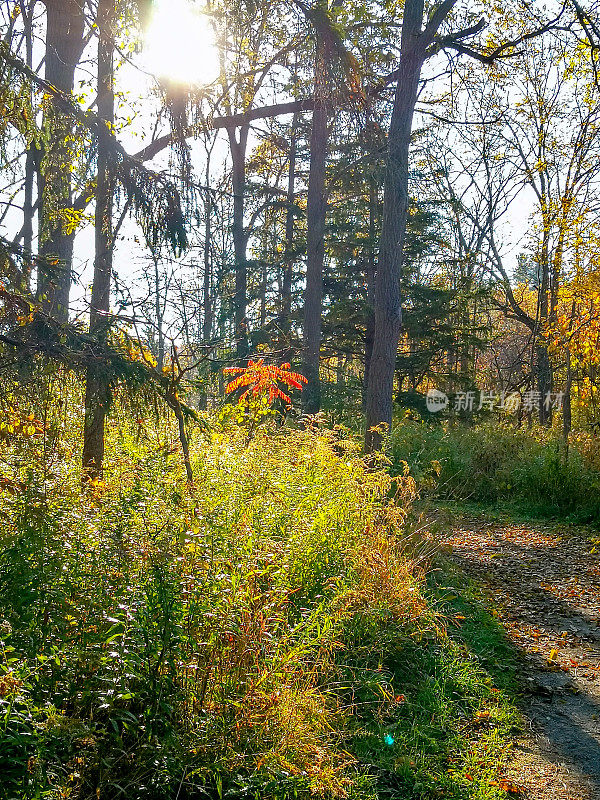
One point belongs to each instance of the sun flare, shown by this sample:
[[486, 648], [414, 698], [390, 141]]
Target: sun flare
[[179, 44]]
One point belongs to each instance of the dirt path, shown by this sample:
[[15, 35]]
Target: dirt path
[[545, 584]]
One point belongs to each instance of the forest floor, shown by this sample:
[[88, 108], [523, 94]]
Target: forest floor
[[542, 583]]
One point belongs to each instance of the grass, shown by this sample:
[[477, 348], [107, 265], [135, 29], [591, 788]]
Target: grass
[[526, 472], [455, 687], [271, 632], [501, 512]]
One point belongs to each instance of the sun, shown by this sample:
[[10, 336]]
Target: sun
[[179, 44]]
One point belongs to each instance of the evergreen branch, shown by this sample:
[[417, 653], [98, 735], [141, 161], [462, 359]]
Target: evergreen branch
[[155, 199]]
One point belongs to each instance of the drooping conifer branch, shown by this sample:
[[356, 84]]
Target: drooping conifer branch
[[154, 198]]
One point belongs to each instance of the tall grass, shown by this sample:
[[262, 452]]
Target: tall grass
[[492, 463], [266, 633], [165, 642]]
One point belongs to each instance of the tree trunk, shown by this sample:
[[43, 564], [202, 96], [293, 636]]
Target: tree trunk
[[285, 322], [369, 338], [566, 408], [264, 277], [158, 312], [172, 399], [207, 304], [388, 314], [64, 46], [206, 291], [31, 167], [544, 383], [316, 208], [240, 240], [544, 369], [31, 160], [370, 280], [97, 395]]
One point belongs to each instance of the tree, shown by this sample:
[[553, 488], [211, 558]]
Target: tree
[[420, 40], [97, 391], [549, 143], [387, 301], [65, 23], [250, 32], [316, 208]]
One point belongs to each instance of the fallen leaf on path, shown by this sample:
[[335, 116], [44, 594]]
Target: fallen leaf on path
[[507, 786]]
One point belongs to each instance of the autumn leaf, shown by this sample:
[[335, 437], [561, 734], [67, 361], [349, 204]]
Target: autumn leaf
[[507, 786], [262, 380]]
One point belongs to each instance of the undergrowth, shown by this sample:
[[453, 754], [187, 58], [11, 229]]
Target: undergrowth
[[266, 633], [491, 463]]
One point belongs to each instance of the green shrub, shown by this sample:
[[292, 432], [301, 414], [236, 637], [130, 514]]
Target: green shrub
[[492, 463]]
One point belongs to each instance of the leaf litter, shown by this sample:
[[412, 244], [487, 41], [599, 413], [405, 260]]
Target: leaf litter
[[543, 584]]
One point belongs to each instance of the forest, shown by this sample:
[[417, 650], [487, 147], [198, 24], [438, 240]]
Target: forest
[[299, 399]]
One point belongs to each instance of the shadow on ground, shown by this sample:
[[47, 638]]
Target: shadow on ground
[[543, 583]]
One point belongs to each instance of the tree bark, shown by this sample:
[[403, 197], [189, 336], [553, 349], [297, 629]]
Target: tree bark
[[544, 368], [31, 159], [316, 209], [370, 280], [388, 314], [240, 240], [207, 314], [97, 395], [64, 46], [285, 322]]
